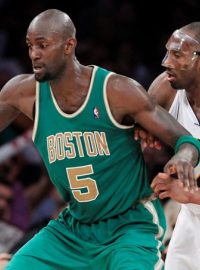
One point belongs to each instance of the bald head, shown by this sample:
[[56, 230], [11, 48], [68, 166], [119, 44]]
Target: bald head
[[192, 29], [54, 20], [51, 44]]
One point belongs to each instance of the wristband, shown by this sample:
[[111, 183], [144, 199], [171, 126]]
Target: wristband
[[188, 139]]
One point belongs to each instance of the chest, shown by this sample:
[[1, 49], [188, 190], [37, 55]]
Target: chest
[[70, 103]]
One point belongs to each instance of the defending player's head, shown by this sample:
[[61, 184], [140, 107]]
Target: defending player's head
[[183, 55]]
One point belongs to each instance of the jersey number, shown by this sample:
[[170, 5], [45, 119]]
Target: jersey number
[[78, 180]]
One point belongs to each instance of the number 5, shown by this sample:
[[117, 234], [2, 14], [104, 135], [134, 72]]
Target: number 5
[[77, 184]]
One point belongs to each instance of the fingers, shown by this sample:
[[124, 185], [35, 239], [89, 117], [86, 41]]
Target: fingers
[[140, 134], [151, 141], [185, 173], [162, 185], [164, 195], [192, 179], [5, 256], [136, 134], [165, 186], [160, 178], [157, 144], [182, 174], [147, 140], [160, 188]]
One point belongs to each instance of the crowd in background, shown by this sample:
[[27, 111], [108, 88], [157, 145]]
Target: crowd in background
[[126, 36]]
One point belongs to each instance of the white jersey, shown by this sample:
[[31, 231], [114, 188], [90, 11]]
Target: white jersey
[[183, 113], [184, 248]]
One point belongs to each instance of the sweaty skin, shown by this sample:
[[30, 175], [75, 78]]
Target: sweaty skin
[[164, 185], [52, 53], [182, 72]]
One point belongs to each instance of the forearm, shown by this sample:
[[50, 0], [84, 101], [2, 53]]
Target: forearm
[[162, 125]]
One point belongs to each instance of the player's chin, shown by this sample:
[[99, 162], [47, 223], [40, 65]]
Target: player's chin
[[40, 77]]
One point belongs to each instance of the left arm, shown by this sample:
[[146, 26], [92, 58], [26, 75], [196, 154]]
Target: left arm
[[127, 98]]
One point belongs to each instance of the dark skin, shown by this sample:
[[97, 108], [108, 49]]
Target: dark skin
[[163, 184], [163, 91], [166, 186], [52, 53], [176, 77], [4, 259]]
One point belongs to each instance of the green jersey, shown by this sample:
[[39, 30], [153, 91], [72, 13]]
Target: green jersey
[[93, 161], [98, 168]]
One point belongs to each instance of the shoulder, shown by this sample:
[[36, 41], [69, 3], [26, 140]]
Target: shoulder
[[162, 91], [22, 80], [126, 96], [120, 84], [19, 86]]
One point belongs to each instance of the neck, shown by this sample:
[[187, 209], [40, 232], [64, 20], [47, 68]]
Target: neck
[[69, 78], [75, 77]]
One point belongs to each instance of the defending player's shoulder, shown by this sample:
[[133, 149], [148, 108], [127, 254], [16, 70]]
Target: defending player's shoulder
[[162, 91]]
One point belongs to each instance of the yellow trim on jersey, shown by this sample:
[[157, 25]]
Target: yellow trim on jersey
[[71, 115], [150, 207], [36, 119], [115, 123]]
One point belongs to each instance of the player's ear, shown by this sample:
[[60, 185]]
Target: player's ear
[[70, 45]]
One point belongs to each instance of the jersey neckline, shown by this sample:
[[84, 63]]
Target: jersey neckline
[[81, 108]]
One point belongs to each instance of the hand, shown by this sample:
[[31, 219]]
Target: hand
[[147, 140], [181, 169], [4, 259], [166, 186]]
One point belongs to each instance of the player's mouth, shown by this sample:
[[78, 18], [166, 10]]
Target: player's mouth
[[37, 69], [170, 76]]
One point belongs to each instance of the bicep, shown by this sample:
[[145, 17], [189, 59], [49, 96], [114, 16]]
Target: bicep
[[129, 98]]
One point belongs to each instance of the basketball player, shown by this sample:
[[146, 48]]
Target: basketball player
[[83, 124], [182, 63]]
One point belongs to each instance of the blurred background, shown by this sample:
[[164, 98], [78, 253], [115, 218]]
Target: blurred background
[[126, 36]]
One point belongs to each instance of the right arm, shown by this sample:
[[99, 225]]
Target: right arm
[[16, 96], [128, 99]]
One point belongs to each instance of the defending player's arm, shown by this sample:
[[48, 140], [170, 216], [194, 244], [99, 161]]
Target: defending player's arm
[[4, 259], [166, 186], [129, 99]]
